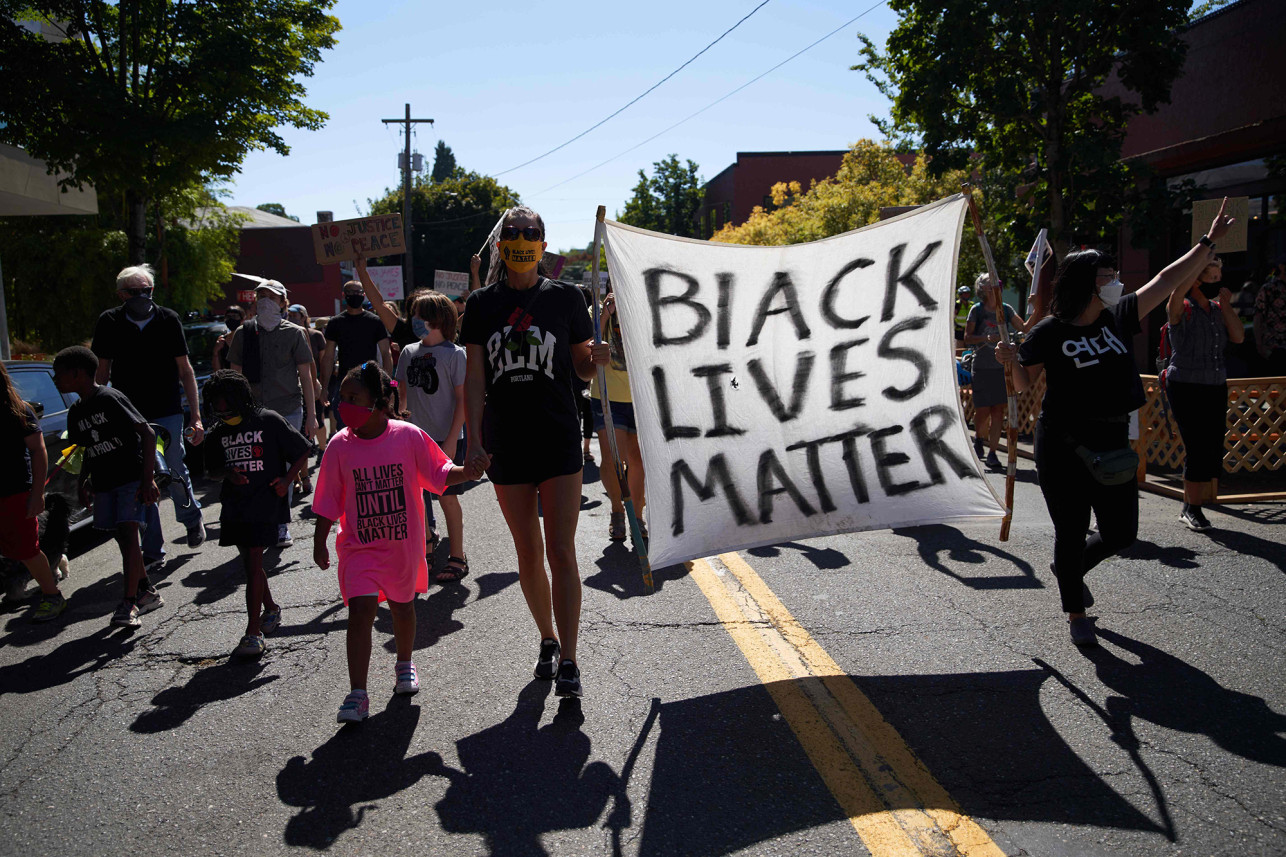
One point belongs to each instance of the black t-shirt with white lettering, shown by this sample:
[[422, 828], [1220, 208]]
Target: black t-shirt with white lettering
[[15, 455], [263, 446], [527, 336], [356, 337], [104, 424], [144, 360], [1089, 370]]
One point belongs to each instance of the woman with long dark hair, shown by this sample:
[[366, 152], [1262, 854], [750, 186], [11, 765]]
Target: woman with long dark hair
[[527, 339], [1085, 350], [1202, 322]]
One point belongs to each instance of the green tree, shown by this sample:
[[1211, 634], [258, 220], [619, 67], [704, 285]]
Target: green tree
[[148, 97], [1026, 86], [452, 219], [870, 178], [196, 249], [668, 200], [277, 209], [443, 163]]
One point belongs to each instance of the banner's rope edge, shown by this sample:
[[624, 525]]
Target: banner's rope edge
[[919, 211]]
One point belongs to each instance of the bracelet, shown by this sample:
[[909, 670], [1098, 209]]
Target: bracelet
[[1205, 239]]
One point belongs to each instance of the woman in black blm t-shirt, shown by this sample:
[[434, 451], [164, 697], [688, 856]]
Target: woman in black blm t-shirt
[[1084, 349], [527, 338]]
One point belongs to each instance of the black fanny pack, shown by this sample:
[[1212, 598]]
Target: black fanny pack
[[1109, 467]]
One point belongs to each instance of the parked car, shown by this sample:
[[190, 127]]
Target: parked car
[[35, 383]]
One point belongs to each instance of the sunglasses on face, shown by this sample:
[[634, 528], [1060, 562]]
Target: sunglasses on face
[[509, 233], [134, 293]]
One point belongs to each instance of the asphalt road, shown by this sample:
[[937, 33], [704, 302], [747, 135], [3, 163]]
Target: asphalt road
[[700, 732]]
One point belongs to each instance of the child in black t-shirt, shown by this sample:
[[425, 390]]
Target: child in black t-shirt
[[258, 454], [116, 441]]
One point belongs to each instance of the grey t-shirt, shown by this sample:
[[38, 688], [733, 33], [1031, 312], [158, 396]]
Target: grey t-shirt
[[281, 352], [429, 376]]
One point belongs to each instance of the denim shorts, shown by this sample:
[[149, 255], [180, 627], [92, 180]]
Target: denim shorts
[[622, 416], [118, 506]]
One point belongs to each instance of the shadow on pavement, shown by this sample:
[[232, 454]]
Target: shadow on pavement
[[67, 662], [217, 683], [95, 602], [620, 574], [823, 558], [433, 616], [933, 539], [1172, 556], [729, 773], [521, 779], [361, 765], [1244, 543], [495, 582], [1169, 692]]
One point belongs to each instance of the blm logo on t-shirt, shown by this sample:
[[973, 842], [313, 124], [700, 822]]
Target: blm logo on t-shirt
[[381, 503]]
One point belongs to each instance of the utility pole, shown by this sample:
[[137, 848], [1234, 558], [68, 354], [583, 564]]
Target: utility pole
[[409, 265]]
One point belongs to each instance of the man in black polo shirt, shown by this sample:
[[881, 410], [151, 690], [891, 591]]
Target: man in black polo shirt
[[142, 351], [359, 335]]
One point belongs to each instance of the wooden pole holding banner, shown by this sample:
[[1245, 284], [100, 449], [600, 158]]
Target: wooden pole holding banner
[[640, 544], [1011, 430]]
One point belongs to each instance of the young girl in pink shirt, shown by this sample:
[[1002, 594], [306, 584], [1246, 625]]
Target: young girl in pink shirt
[[371, 481]]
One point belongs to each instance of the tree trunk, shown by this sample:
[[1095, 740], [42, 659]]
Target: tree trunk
[[136, 226]]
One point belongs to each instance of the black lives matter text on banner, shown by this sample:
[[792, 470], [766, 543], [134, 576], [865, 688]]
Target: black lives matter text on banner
[[361, 238], [789, 392]]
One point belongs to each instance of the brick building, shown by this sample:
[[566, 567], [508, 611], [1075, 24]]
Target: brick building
[[281, 249], [733, 193]]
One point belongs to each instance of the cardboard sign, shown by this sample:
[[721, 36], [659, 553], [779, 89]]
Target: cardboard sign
[[388, 279], [453, 284], [788, 392], [362, 238], [553, 263], [1204, 211]]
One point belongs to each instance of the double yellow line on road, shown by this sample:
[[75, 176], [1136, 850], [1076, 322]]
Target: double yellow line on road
[[891, 799]]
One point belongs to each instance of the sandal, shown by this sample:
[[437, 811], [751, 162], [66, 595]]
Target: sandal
[[457, 568], [616, 527], [432, 546]]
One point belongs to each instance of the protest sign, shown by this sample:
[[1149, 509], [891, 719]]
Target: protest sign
[[789, 392], [362, 238], [388, 279], [1204, 211], [453, 284], [553, 264]]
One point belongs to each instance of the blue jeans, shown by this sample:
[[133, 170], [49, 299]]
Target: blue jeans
[[296, 420], [180, 492]]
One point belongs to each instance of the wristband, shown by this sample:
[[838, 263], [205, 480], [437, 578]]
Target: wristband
[[1205, 239]]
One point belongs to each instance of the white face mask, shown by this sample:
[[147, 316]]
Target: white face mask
[[1110, 294], [268, 311]]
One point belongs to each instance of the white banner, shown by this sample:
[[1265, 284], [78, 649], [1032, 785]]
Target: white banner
[[388, 279], [789, 392]]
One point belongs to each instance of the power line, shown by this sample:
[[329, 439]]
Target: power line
[[711, 104], [637, 98]]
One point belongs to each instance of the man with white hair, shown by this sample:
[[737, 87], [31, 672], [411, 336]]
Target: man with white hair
[[277, 360], [142, 350]]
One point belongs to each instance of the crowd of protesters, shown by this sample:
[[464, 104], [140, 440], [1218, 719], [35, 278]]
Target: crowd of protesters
[[428, 398]]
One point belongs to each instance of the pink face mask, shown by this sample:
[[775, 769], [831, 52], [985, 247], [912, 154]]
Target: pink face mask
[[354, 416]]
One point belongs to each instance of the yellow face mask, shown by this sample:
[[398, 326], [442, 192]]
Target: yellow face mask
[[521, 255], [232, 421]]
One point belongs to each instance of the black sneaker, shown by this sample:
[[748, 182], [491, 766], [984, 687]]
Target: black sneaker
[[1194, 519], [1082, 631], [568, 683], [152, 562], [977, 447], [547, 663], [196, 536], [993, 461]]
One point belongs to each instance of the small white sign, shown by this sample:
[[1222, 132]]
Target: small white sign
[[388, 279], [453, 284]]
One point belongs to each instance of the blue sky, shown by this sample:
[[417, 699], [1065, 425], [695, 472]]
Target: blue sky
[[506, 81]]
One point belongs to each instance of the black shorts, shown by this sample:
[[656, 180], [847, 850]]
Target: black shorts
[[534, 467], [247, 534]]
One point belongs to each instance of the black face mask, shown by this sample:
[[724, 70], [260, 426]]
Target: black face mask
[[1210, 290], [355, 301], [232, 323]]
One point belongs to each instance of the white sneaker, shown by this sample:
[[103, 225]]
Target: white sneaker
[[283, 538], [408, 681], [149, 601]]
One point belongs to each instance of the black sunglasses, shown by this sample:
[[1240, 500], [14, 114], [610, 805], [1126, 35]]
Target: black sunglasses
[[509, 233], [145, 290]]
